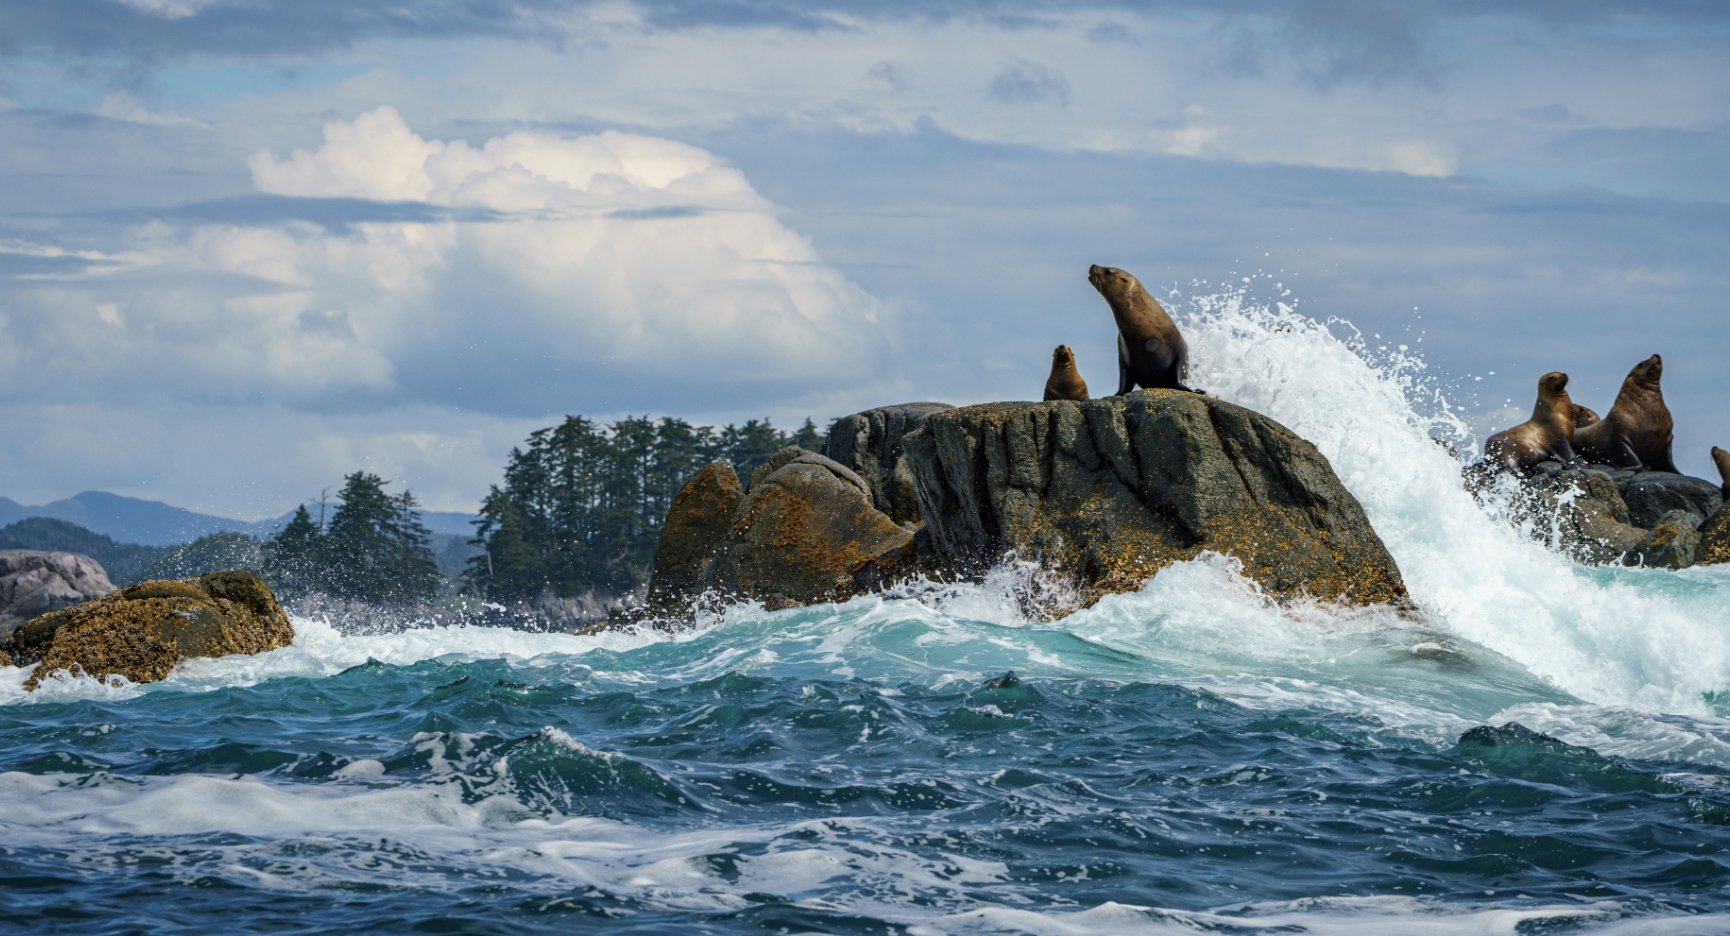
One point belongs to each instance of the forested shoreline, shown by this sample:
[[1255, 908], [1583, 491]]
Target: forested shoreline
[[577, 512]]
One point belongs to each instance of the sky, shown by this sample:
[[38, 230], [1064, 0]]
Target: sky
[[250, 246]]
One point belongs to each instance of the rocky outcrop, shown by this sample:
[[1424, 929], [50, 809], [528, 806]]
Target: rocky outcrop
[[1581, 513], [1652, 494], [1714, 545], [1110, 491], [34, 582], [870, 444], [805, 532], [694, 536], [1604, 515], [141, 632], [808, 532]]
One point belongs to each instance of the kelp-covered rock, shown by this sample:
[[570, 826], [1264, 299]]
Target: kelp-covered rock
[[808, 532], [870, 444], [35, 582], [1110, 491], [694, 535], [141, 632]]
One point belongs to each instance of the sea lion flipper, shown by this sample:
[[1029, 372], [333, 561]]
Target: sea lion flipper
[[1668, 462], [1125, 382], [1622, 456]]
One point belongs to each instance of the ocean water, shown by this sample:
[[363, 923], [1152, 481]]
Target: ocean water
[[1190, 758]]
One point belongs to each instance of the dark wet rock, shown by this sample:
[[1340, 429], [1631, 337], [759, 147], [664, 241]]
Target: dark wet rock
[[694, 535], [36, 582], [1672, 543], [1110, 491], [1485, 736], [870, 444], [141, 632], [1714, 547], [1581, 512], [1652, 494], [808, 532], [1007, 681]]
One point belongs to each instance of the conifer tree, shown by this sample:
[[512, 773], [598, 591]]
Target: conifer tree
[[293, 559]]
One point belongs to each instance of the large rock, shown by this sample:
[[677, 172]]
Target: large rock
[[141, 632], [694, 535], [1581, 512], [1673, 542], [805, 531], [808, 532], [1714, 545], [1113, 490], [870, 444], [1652, 494], [33, 583]]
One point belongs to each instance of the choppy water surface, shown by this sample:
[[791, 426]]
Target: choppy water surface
[[1186, 759]]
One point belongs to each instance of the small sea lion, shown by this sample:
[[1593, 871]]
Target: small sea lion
[[1150, 351], [1065, 382], [1547, 435], [1638, 431], [1583, 417], [1722, 458]]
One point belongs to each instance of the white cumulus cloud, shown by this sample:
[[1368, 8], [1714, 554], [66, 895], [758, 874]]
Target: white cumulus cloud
[[530, 264]]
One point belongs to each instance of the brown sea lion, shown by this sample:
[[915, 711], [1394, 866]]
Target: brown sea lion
[[1065, 382], [1150, 351], [1583, 417], [1547, 435], [1638, 431], [1722, 458]]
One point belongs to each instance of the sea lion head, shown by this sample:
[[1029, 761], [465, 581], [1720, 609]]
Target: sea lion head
[[1114, 284], [1554, 386], [1063, 357], [1648, 373], [1721, 458]]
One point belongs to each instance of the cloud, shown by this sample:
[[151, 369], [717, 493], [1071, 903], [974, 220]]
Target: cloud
[[123, 106], [1020, 81], [533, 267]]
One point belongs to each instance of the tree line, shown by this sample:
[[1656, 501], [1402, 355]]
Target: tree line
[[581, 506]]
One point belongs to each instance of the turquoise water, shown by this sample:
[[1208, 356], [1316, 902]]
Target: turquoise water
[[1188, 758]]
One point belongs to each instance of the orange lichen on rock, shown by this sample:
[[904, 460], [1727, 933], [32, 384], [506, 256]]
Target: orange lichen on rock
[[143, 631]]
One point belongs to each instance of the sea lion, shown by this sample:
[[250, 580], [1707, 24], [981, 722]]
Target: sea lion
[[1722, 458], [1638, 431], [1150, 351], [1583, 417], [1065, 382], [1547, 435]]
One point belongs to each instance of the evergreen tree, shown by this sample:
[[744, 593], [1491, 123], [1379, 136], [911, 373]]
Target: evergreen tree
[[293, 559], [376, 548], [808, 437], [413, 574], [581, 505]]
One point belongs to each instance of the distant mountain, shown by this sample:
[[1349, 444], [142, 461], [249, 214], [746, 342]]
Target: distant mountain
[[153, 523], [123, 562]]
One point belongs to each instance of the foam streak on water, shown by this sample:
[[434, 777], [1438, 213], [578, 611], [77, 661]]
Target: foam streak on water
[[1188, 758]]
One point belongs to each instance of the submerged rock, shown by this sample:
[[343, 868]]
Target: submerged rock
[[141, 632], [870, 443], [1110, 491], [35, 582]]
